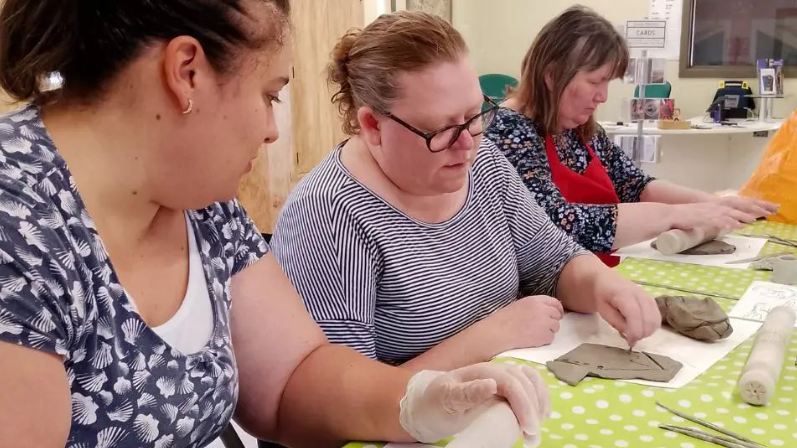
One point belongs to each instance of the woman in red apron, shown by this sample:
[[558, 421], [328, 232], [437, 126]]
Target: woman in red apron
[[592, 187], [588, 186]]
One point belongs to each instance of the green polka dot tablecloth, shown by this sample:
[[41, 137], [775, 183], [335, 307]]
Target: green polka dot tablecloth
[[614, 414]]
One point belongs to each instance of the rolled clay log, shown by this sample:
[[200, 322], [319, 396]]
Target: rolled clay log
[[674, 241], [496, 427], [762, 370]]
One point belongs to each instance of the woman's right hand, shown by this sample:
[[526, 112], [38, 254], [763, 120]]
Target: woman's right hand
[[532, 321], [441, 404], [707, 214]]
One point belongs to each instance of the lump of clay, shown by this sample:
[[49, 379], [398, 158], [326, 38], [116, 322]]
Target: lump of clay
[[607, 362], [697, 318], [768, 263], [713, 247]]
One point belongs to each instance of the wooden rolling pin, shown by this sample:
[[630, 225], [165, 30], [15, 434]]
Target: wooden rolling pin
[[762, 370], [675, 241], [496, 427]]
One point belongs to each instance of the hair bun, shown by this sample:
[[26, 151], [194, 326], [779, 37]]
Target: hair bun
[[338, 75], [365, 63]]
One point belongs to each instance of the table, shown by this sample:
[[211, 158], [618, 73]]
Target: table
[[614, 414], [650, 128], [713, 159]]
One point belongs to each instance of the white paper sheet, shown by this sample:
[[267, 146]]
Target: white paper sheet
[[761, 297], [746, 247], [669, 10], [696, 356]]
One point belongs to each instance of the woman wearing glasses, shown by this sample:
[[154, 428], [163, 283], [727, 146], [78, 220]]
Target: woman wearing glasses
[[585, 183], [139, 305], [415, 242]]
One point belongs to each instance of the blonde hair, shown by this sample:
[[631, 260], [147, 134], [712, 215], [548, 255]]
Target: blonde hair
[[578, 39], [365, 62]]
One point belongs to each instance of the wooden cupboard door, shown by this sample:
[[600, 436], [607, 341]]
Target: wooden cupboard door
[[316, 121], [263, 191], [309, 125]]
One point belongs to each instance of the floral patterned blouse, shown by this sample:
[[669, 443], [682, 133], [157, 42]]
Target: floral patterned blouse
[[59, 294], [593, 226]]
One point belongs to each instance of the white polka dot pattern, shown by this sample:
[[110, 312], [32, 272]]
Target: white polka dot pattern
[[615, 414]]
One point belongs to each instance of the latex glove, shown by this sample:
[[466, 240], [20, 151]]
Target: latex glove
[[628, 308], [440, 404]]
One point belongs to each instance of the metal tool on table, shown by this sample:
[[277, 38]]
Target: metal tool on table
[[706, 437], [685, 290], [736, 441], [782, 241], [760, 257], [772, 239]]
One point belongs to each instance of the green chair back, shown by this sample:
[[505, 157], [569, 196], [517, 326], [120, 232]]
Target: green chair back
[[655, 90], [494, 85]]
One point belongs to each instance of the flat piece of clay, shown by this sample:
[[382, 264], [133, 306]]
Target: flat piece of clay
[[713, 247], [607, 362], [698, 318], [764, 264]]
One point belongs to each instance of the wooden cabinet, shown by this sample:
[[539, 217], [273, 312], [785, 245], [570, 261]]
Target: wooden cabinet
[[316, 122], [310, 125]]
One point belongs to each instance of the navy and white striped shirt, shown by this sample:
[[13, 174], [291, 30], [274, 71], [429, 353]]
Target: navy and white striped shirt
[[393, 287]]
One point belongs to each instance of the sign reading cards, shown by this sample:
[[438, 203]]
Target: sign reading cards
[[646, 33]]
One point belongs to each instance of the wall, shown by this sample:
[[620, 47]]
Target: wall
[[499, 33], [441, 8], [374, 8]]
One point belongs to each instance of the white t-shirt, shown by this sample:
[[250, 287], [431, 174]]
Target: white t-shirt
[[191, 326]]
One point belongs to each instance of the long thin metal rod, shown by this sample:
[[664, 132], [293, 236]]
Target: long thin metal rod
[[684, 290], [709, 425], [699, 435]]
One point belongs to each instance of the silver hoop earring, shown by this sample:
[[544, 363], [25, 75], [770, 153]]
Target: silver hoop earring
[[189, 108]]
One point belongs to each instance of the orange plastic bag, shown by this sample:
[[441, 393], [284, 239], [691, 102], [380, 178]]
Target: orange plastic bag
[[775, 178]]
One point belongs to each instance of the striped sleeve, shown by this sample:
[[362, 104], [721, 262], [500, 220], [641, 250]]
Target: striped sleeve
[[332, 267], [543, 249]]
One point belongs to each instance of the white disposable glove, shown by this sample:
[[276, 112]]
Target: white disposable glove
[[441, 404]]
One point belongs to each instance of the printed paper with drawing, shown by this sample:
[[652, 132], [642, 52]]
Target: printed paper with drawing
[[761, 297], [746, 247], [696, 356]]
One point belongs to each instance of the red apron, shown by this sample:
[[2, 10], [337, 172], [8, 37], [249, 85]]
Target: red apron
[[592, 187]]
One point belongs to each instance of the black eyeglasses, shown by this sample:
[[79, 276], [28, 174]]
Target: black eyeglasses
[[442, 139]]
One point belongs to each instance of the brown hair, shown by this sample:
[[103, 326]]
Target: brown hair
[[365, 62], [88, 43], [578, 39]]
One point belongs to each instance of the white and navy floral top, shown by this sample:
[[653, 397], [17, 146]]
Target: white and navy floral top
[[59, 293], [592, 225]]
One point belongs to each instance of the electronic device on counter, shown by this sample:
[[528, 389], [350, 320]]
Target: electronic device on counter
[[731, 101]]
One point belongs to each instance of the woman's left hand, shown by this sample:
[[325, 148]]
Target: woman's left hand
[[628, 308]]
